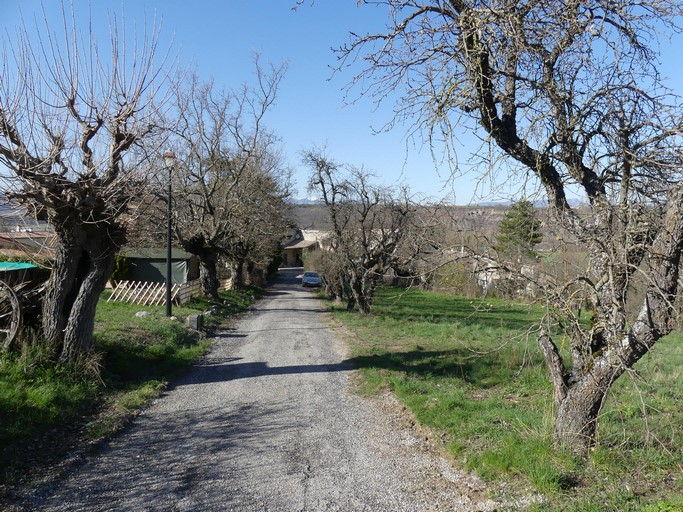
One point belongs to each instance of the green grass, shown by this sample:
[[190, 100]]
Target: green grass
[[33, 399], [471, 369], [134, 360]]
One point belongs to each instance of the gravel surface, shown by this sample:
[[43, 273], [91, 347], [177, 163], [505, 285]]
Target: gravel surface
[[267, 422]]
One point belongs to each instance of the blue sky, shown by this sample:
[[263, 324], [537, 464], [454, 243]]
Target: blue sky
[[220, 37]]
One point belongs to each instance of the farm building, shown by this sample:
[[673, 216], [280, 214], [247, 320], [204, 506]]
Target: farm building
[[149, 265], [302, 242]]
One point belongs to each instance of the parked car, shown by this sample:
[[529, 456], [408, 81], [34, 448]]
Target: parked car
[[311, 279]]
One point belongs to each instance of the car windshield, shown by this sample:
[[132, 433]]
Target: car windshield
[[310, 274]]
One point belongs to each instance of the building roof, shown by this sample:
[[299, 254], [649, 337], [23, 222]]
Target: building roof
[[155, 253], [29, 244], [301, 244]]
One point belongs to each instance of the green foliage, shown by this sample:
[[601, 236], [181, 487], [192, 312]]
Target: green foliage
[[520, 231], [274, 264], [675, 505], [34, 399], [471, 370], [36, 260], [121, 268]]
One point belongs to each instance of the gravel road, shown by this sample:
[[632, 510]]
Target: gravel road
[[267, 422]]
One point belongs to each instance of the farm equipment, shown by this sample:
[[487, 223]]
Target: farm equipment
[[22, 286]]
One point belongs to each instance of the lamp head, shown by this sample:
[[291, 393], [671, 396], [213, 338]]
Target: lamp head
[[169, 158]]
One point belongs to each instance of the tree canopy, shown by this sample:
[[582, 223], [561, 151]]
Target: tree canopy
[[520, 231], [372, 229], [229, 179]]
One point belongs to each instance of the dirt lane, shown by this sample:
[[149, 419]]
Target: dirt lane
[[266, 422]]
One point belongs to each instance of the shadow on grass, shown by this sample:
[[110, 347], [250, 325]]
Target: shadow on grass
[[128, 365], [480, 370], [417, 306], [515, 318]]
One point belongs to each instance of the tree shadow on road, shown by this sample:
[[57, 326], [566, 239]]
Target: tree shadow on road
[[167, 458], [231, 369], [454, 363]]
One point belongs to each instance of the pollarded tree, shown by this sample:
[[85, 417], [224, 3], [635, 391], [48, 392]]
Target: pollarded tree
[[264, 215], [371, 227], [73, 118], [224, 155], [519, 232], [571, 92]]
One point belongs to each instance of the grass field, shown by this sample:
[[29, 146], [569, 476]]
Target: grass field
[[471, 370], [42, 405]]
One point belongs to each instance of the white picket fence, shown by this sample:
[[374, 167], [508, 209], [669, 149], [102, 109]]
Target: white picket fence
[[153, 294]]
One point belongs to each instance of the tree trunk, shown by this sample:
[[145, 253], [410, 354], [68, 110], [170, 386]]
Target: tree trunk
[[330, 291], [254, 274], [60, 292], [208, 260], [360, 295], [78, 336], [256, 277], [83, 262], [237, 273], [576, 418], [580, 398], [208, 274], [355, 294], [350, 302]]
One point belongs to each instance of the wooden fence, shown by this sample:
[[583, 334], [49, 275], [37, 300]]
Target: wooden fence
[[154, 294]]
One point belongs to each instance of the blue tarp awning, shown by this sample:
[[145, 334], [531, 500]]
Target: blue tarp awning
[[8, 266]]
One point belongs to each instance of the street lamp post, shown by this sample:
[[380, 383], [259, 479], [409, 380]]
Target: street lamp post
[[169, 159]]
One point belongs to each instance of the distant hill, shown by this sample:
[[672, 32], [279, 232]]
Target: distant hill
[[484, 219], [311, 216], [12, 216], [304, 200], [480, 219], [542, 203]]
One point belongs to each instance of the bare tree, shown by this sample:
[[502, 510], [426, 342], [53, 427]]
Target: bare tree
[[570, 90], [257, 231], [371, 228], [72, 117], [226, 158]]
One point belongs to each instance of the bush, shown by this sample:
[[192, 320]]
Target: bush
[[457, 277], [121, 269]]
